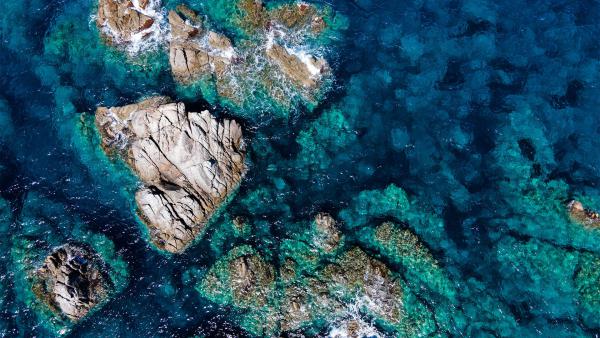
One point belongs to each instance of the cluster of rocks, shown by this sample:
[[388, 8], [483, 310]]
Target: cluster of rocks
[[353, 281], [72, 281], [128, 22], [189, 163], [271, 54], [195, 52]]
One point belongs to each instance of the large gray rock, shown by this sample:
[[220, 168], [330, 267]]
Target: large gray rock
[[188, 162], [71, 281]]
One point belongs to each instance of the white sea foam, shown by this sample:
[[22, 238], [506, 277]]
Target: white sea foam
[[152, 38], [341, 328]]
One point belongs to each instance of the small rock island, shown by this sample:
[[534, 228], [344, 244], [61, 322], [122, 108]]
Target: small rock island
[[72, 281], [188, 163]]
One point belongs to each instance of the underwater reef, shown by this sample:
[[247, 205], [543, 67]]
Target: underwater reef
[[281, 168]]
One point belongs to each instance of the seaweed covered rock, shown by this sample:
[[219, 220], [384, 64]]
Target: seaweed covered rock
[[242, 278], [127, 22], [72, 281], [352, 282], [188, 162], [402, 246], [303, 252], [356, 275]]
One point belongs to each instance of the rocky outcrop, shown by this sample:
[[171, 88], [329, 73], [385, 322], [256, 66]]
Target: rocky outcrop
[[270, 56], [327, 236], [125, 21], [302, 69], [369, 282], [71, 281], [188, 162], [354, 281], [195, 52], [579, 214]]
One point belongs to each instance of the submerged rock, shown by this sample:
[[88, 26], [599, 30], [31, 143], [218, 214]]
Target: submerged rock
[[71, 281], [369, 281], [352, 284], [125, 21], [327, 235], [188, 162], [242, 279]]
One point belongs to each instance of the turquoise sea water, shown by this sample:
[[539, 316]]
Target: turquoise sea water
[[470, 123]]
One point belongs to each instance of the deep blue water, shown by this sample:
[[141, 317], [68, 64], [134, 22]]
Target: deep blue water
[[485, 113]]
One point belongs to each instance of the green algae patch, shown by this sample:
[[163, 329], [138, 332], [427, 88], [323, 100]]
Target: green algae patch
[[403, 247], [392, 201], [587, 283], [323, 141], [35, 242]]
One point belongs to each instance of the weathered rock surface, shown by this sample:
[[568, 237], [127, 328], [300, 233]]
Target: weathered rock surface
[[304, 71], [194, 52], [579, 214], [71, 281], [123, 21], [188, 162]]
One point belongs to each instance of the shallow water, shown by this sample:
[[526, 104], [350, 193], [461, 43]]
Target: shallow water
[[484, 113]]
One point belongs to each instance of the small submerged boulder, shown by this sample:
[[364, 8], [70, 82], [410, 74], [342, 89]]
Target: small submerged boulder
[[72, 281], [189, 163], [327, 235]]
